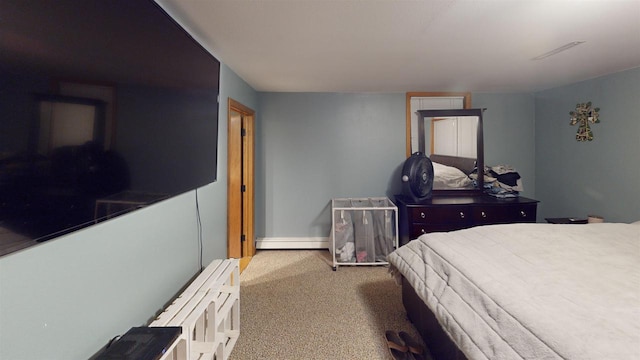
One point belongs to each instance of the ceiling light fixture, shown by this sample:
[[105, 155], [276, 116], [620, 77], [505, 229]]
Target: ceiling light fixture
[[560, 49]]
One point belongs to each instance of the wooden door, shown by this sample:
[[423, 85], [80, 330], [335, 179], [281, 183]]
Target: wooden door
[[240, 183]]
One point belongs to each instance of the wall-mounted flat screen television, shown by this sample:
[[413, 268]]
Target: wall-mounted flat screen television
[[106, 106]]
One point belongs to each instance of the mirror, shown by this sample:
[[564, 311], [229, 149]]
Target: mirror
[[452, 139]]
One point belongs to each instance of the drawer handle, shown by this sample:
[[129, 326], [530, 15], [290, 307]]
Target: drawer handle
[[422, 231], [461, 215], [422, 215], [484, 215], [523, 214]]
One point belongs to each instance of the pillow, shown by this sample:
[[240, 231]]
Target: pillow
[[449, 177]]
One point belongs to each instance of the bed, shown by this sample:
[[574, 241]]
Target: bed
[[525, 291]]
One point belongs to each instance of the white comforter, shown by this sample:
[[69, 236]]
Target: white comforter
[[532, 291]]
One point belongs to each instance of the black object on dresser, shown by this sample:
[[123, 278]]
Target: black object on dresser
[[447, 213]]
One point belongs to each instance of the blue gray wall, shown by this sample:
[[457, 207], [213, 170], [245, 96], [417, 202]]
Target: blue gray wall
[[64, 299], [312, 147], [599, 177]]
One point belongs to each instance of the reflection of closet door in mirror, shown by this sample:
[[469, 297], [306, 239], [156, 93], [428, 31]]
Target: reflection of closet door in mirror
[[454, 136], [467, 137], [444, 138]]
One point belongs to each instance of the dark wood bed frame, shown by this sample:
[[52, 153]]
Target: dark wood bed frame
[[440, 345]]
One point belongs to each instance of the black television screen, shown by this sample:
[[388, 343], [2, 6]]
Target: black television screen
[[106, 106]]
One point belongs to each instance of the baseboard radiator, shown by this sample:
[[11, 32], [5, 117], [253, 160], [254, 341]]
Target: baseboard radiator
[[293, 243], [208, 311]]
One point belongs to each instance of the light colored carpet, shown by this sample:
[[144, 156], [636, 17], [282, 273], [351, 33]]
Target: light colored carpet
[[294, 306]]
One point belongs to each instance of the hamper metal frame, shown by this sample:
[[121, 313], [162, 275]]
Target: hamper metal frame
[[338, 204]]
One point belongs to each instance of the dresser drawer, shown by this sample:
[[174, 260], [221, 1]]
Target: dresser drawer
[[441, 215], [524, 213], [493, 214], [419, 229], [483, 215]]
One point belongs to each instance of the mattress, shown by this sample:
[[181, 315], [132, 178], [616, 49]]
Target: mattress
[[531, 291]]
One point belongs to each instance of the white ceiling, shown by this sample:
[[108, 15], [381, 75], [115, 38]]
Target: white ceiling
[[417, 45]]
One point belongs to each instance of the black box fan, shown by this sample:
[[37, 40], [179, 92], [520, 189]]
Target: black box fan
[[417, 177]]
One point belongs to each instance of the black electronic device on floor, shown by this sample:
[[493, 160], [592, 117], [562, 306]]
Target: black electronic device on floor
[[142, 343]]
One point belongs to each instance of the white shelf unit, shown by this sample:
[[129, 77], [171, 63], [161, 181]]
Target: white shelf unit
[[363, 230], [208, 311]]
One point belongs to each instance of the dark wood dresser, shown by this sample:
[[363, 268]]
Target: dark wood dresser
[[446, 213]]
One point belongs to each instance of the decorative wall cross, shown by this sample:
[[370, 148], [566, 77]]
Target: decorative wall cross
[[584, 115]]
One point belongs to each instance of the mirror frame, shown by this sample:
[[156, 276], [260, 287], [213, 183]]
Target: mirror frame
[[479, 150]]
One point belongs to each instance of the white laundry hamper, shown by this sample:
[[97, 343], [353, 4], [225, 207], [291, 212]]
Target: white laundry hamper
[[364, 230]]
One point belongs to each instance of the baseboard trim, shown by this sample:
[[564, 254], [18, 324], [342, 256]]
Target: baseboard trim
[[293, 243]]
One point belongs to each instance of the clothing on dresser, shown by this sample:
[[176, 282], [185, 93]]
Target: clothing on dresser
[[502, 181]]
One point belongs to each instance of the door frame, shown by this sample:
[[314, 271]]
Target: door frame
[[240, 171]]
